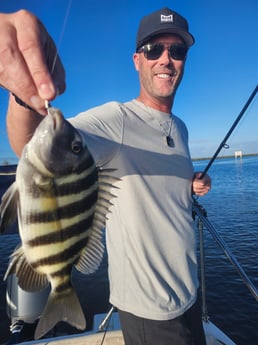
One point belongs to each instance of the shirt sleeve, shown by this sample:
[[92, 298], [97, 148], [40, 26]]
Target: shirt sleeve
[[102, 128]]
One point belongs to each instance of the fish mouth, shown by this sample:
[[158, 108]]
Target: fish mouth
[[57, 118]]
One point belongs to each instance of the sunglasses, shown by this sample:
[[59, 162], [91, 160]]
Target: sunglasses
[[153, 51]]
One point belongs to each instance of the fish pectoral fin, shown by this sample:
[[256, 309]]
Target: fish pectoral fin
[[44, 183], [61, 308], [28, 278], [8, 207]]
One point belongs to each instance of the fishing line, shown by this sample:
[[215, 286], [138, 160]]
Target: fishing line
[[235, 139], [224, 141], [68, 10]]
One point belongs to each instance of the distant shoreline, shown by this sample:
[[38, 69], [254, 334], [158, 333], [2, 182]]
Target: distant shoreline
[[7, 164], [223, 157]]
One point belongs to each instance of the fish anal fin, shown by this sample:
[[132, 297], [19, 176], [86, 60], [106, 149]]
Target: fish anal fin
[[28, 279], [92, 254], [61, 307]]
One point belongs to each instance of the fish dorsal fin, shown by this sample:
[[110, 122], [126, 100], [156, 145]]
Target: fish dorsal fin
[[8, 207], [28, 279], [92, 254]]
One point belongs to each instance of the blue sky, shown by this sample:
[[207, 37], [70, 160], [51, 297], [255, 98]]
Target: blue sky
[[96, 44]]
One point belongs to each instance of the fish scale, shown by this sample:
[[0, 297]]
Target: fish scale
[[62, 200]]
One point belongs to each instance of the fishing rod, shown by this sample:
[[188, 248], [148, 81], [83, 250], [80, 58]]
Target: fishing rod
[[223, 143]]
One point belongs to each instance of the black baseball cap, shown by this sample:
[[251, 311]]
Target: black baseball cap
[[164, 21]]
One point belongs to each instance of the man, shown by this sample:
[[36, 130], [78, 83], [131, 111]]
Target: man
[[150, 232]]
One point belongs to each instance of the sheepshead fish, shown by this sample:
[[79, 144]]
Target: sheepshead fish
[[61, 200]]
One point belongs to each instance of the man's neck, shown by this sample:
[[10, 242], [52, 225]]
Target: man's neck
[[164, 105]]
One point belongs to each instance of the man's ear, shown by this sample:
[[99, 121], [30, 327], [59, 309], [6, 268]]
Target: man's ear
[[136, 61]]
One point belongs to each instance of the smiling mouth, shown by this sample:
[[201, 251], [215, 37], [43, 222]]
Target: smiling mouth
[[165, 75]]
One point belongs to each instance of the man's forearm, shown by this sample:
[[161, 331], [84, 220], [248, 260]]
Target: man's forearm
[[21, 124]]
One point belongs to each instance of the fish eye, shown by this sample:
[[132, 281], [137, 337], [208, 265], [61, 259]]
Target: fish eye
[[76, 146]]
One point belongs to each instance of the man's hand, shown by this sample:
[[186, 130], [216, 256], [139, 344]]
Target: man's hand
[[201, 186], [27, 55]]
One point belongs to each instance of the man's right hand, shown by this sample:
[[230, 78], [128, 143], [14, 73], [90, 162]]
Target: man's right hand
[[27, 56]]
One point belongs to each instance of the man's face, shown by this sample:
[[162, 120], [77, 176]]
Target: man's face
[[160, 78]]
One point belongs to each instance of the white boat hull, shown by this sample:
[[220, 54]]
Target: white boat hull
[[214, 336]]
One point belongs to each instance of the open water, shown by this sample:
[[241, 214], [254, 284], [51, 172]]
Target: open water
[[232, 207]]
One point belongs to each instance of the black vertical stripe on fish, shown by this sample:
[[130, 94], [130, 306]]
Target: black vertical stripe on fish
[[62, 256], [63, 288], [66, 184], [64, 212], [67, 233]]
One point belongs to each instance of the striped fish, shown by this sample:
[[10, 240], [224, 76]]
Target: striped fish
[[61, 200]]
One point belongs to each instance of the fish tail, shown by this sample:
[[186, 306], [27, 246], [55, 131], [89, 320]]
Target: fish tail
[[61, 308]]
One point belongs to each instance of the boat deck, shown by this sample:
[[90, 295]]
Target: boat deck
[[214, 336]]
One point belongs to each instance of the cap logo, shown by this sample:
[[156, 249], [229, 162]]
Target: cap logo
[[166, 19]]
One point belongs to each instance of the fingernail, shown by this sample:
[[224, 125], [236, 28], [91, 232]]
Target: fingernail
[[46, 91], [36, 102]]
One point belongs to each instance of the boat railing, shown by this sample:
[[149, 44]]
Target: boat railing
[[202, 221]]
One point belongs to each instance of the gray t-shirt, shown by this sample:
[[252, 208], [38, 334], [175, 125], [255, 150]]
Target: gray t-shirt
[[150, 232]]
